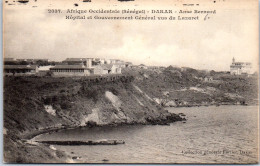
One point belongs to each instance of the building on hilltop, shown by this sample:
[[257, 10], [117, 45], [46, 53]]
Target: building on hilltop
[[88, 62], [142, 66], [20, 70], [68, 67], [238, 68], [82, 70], [128, 64], [91, 62], [111, 68], [106, 69], [70, 70]]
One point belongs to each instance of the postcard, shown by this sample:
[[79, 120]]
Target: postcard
[[131, 81]]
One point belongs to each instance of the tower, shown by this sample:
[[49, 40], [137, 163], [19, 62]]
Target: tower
[[89, 63], [233, 60]]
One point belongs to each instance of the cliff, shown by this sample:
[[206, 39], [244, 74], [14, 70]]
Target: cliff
[[33, 105], [36, 104]]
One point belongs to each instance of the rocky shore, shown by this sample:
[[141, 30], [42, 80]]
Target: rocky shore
[[23, 149], [37, 105], [34, 106]]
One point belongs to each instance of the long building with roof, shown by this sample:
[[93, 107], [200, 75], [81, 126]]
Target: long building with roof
[[69, 67], [70, 70], [20, 69]]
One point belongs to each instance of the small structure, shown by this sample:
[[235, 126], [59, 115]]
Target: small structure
[[153, 67], [111, 69], [44, 70], [128, 64], [117, 62], [142, 66], [20, 69], [238, 68], [208, 79], [70, 70]]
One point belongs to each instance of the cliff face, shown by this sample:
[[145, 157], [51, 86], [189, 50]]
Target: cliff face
[[35, 104]]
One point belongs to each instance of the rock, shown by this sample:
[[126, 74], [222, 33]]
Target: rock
[[166, 93], [91, 124], [170, 104], [75, 157], [146, 76], [181, 114], [52, 147], [164, 120], [157, 100]]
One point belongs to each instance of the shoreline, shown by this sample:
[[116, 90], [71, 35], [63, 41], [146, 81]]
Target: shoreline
[[25, 138], [211, 105], [33, 134]]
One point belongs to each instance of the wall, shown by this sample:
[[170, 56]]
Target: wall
[[105, 72], [71, 74], [98, 70]]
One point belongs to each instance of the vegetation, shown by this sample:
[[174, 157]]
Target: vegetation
[[74, 99], [192, 86]]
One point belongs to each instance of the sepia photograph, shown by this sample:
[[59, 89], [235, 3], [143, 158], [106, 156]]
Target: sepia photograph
[[131, 81]]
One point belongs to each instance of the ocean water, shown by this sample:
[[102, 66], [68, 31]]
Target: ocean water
[[225, 134]]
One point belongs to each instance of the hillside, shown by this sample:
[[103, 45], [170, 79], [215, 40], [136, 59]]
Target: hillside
[[178, 87], [35, 104]]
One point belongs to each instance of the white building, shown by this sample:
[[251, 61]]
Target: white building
[[238, 68], [70, 70]]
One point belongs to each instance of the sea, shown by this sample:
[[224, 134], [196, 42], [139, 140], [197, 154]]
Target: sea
[[223, 134]]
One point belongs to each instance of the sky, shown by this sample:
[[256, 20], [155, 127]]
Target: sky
[[30, 32]]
